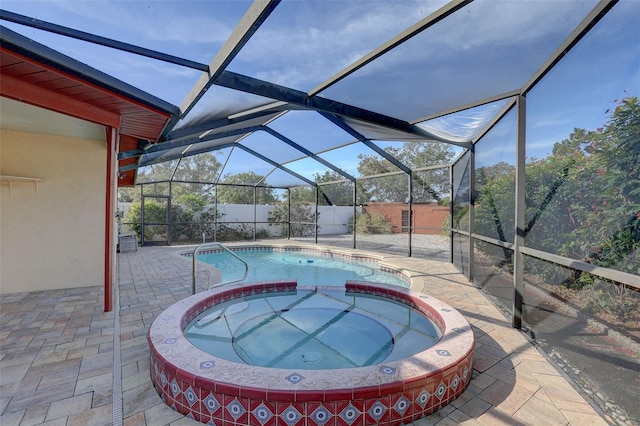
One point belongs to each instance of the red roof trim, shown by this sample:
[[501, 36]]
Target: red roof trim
[[35, 95]]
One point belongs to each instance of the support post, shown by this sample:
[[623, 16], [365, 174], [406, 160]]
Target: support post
[[288, 213], [168, 214], [410, 228], [472, 211], [255, 198], [355, 212], [109, 246], [518, 257], [316, 215], [142, 242], [215, 218], [451, 213]]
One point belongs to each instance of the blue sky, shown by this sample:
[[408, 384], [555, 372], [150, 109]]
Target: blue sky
[[303, 43]]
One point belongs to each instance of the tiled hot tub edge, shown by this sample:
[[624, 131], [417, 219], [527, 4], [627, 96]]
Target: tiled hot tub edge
[[393, 398]]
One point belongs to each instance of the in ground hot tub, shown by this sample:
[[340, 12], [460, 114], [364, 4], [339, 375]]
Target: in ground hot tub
[[272, 365]]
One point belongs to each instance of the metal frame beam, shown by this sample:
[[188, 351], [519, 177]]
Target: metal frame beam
[[169, 145], [269, 90], [172, 144], [206, 126], [519, 220], [258, 12], [277, 165], [427, 22], [308, 153], [103, 41], [596, 14], [344, 126], [470, 105]]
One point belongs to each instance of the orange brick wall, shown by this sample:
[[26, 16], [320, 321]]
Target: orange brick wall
[[427, 218]]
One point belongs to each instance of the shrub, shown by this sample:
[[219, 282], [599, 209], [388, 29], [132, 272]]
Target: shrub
[[375, 223]]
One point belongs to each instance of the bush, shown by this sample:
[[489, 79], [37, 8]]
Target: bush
[[301, 221], [375, 223], [154, 213]]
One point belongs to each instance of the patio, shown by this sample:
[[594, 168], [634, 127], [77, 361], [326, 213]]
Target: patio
[[65, 361]]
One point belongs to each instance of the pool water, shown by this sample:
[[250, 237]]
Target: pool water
[[312, 328], [306, 268]]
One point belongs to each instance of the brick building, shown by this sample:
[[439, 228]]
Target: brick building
[[427, 218]]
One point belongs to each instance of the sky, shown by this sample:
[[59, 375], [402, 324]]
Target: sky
[[488, 47]]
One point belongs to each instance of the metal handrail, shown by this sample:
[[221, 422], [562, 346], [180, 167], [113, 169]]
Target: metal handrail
[[195, 266]]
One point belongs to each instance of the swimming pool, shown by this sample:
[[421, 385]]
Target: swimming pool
[[312, 328], [307, 267]]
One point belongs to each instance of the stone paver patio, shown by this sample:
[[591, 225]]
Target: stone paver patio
[[64, 361]]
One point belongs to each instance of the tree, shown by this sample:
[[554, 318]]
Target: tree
[[582, 201], [338, 193], [197, 170], [611, 222], [238, 194], [394, 188], [495, 201]]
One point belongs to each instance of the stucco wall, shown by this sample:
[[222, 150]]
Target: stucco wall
[[53, 238]]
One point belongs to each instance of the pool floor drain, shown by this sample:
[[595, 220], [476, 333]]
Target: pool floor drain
[[312, 356]]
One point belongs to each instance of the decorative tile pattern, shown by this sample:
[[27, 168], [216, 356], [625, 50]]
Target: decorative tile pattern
[[207, 364], [349, 414], [295, 378], [377, 410], [423, 398], [190, 397], [211, 404], [401, 405], [321, 416], [175, 388], [263, 414], [291, 416], [441, 390], [385, 369], [235, 409]]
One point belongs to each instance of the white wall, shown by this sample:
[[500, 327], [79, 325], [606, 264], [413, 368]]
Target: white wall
[[332, 219], [52, 238]]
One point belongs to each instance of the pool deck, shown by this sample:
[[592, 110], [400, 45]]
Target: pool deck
[[64, 361]]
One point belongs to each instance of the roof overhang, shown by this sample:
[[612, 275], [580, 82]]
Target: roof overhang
[[34, 74]]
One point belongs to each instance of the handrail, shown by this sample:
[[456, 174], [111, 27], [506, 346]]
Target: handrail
[[195, 266]]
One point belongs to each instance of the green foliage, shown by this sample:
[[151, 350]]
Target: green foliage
[[238, 232], [582, 202], [606, 297], [375, 223], [395, 188], [301, 221], [337, 193], [495, 201], [154, 212], [190, 218], [198, 168], [230, 194]]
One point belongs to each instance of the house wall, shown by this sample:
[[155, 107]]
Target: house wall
[[52, 237], [427, 218]]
